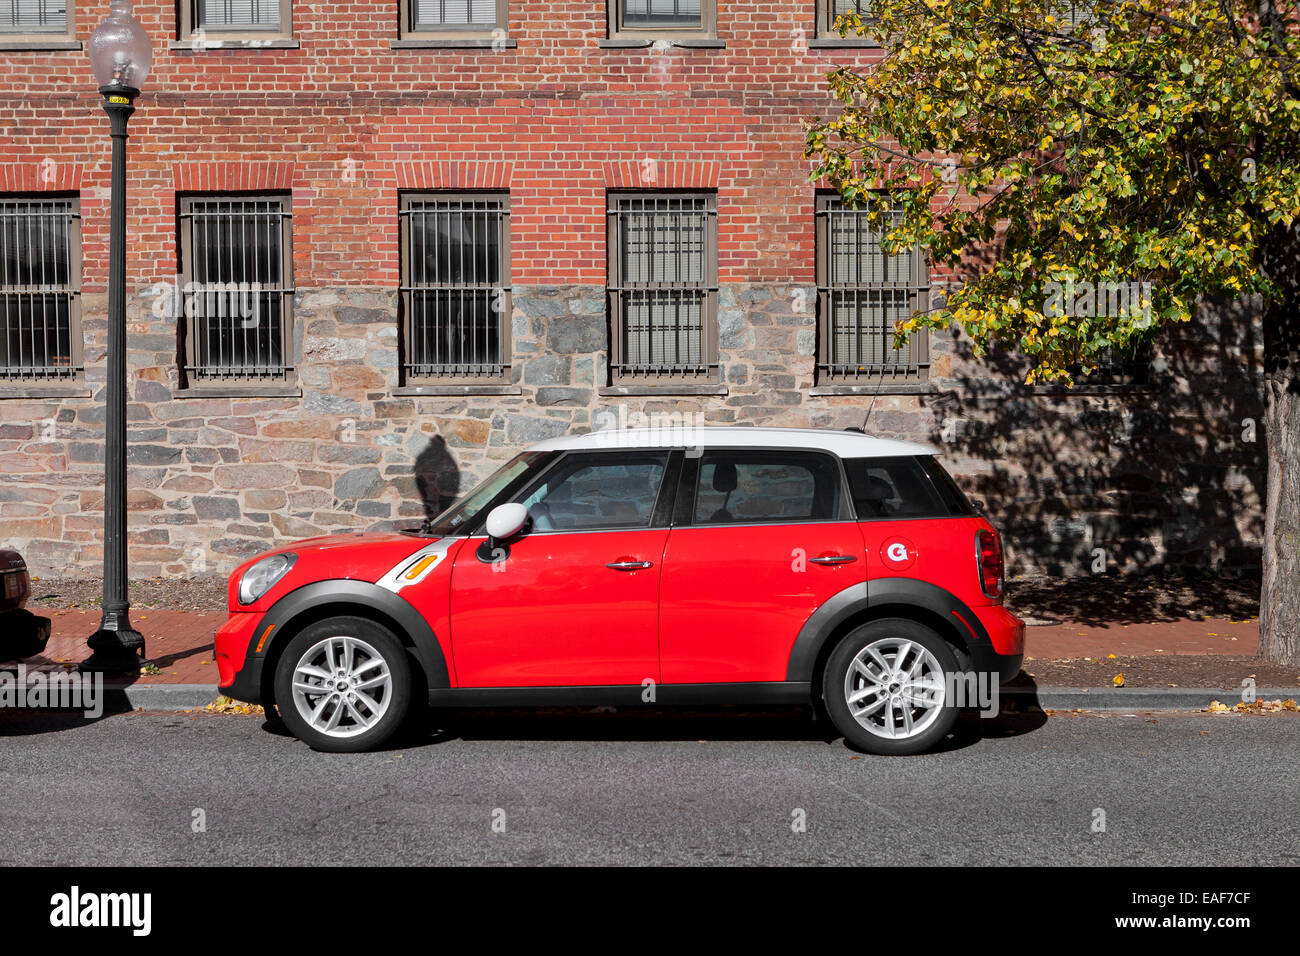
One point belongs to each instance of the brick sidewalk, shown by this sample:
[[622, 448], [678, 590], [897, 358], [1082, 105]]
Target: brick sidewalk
[[1154, 638], [180, 642]]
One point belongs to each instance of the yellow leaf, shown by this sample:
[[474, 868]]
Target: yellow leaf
[[1118, 680]]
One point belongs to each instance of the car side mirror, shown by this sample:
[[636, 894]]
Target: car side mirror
[[503, 523]]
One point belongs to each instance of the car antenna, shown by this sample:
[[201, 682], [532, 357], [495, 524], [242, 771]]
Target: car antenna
[[872, 404]]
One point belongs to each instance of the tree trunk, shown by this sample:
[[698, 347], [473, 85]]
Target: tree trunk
[[1279, 602]]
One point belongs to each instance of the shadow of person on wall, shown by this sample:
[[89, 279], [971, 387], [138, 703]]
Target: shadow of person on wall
[[437, 477]]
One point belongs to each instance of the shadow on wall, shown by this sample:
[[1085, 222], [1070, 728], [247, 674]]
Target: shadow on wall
[[1168, 478], [437, 477]]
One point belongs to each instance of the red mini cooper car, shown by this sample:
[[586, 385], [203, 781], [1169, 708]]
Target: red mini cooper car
[[657, 566]]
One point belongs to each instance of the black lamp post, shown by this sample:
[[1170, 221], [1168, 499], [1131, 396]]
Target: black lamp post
[[120, 57]]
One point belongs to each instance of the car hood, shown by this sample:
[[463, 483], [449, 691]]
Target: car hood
[[355, 539], [360, 556]]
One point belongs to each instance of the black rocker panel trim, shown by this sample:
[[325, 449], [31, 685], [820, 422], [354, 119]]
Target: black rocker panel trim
[[624, 695], [248, 682], [883, 591]]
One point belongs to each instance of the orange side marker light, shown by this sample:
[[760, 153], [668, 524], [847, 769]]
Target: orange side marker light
[[265, 634], [415, 570]]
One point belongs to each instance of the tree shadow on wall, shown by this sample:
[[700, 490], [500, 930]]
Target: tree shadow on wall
[[1162, 485], [437, 477]]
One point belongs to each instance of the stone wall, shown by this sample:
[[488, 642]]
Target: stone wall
[[1146, 477]]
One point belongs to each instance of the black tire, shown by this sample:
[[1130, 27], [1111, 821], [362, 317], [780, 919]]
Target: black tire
[[837, 670], [395, 699]]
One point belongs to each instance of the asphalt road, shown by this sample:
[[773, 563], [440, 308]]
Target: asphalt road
[[632, 789]]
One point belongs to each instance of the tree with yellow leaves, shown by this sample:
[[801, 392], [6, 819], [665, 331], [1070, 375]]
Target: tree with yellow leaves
[[1150, 143]]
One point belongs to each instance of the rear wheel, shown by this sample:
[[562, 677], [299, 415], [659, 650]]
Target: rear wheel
[[888, 689], [343, 685]]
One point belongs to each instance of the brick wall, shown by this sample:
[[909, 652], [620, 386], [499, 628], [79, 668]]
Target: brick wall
[[343, 122], [347, 121]]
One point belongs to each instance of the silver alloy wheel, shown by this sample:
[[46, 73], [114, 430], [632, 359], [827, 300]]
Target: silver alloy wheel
[[342, 686], [895, 688]]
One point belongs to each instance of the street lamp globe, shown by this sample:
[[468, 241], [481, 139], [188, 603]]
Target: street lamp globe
[[120, 52]]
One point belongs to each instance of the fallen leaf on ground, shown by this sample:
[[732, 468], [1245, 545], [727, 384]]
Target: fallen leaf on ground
[[1266, 706], [225, 705]]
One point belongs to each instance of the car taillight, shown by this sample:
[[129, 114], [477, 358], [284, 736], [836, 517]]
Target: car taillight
[[988, 558]]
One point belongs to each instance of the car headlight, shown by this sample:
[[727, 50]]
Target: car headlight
[[260, 578]]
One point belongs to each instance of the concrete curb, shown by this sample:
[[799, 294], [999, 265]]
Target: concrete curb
[[1136, 698], [121, 697], [190, 696]]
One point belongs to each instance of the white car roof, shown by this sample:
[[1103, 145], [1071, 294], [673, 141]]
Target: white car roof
[[846, 444]]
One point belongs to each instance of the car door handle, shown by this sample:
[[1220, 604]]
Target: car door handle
[[834, 559], [629, 565]]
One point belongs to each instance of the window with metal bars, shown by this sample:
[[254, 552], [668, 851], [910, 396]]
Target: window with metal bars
[[455, 292], [1073, 15], [452, 17], [237, 289], [828, 11], [40, 288], [217, 18], [862, 293], [1126, 366], [663, 17], [35, 17], [663, 287]]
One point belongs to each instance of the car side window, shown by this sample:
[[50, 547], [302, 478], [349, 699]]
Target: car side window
[[745, 487], [592, 493], [901, 488]]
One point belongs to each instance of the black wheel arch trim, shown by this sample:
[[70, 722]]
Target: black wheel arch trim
[[416, 634], [864, 595]]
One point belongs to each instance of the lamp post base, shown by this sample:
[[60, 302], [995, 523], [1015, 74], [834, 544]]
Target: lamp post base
[[115, 651]]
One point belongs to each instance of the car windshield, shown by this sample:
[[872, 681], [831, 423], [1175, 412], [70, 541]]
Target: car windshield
[[468, 506]]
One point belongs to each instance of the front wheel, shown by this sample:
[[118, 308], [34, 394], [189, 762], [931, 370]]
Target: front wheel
[[888, 689], [343, 685]]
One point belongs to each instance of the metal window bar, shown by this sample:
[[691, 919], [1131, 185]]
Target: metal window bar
[[840, 7], [829, 11], [863, 293], [218, 15], [456, 293], [453, 14], [1118, 366], [662, 13], [40, 289], [663, 286], [33, 16], [1070, 15], [237, 301]]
